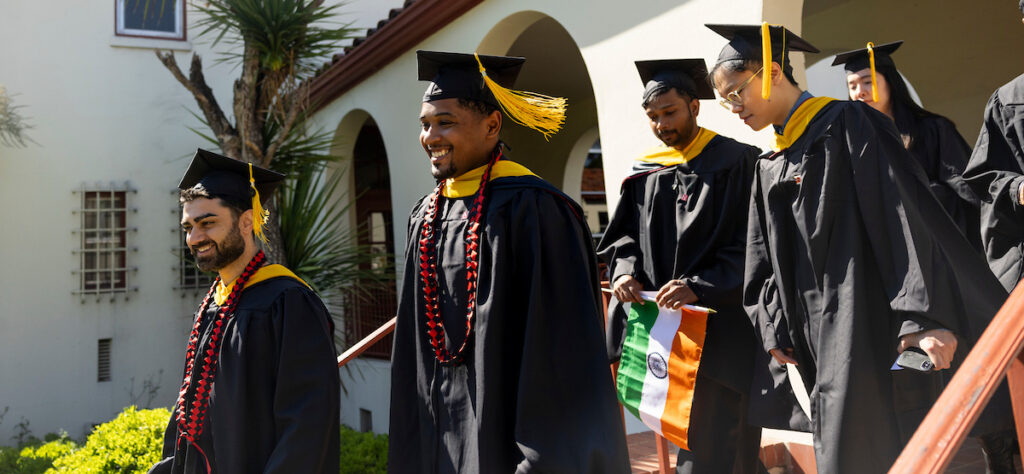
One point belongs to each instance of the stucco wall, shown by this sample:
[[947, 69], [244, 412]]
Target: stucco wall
[[101, 113]]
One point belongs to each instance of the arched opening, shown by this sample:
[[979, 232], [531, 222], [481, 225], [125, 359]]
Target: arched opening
[[368, 305], [957, 54], [554, 66], [584, 181]]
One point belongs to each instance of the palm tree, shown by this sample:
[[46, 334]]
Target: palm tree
[[277, 44]]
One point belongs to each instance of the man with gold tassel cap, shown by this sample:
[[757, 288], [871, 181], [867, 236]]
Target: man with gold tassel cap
[[851, 260], [679, 230], [498, 362], [260, 388]]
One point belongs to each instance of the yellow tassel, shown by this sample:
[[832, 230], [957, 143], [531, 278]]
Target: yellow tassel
[[259, 215], [542, 113], [766, 61], [874, 81]]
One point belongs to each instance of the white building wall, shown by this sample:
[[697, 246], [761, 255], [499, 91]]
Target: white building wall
[[101, 113], [610, 35]]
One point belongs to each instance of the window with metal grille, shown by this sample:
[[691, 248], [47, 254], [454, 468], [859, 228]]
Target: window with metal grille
[[164, 19], [103, 361], [103, 250]]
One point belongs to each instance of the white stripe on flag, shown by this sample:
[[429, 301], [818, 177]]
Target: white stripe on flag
[[652, 401]]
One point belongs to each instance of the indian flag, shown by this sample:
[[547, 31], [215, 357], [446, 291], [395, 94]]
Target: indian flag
[[658, 370]]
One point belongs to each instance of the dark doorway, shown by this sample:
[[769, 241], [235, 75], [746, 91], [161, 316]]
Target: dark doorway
[[372, 304]]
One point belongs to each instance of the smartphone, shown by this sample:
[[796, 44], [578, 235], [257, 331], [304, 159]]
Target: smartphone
[[915, 358]]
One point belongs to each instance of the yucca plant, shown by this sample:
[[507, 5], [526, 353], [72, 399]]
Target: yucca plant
[[276, 45]]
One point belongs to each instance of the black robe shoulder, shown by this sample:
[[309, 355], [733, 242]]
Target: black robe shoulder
[[995, 172], [534, 393], [275, 400]]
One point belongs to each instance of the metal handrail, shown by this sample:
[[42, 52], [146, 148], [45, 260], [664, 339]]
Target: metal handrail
[[997, 353]]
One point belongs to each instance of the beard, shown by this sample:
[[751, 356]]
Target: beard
[[224, 252], [444, 172]]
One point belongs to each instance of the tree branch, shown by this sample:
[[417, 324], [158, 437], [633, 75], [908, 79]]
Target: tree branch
[[196, 84], [250, 127], [295, 106]]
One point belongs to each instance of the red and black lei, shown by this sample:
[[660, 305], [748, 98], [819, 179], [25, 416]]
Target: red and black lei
[[190, 417], [428, 267]]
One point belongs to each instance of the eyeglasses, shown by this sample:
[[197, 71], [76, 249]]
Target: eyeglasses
[[733, 98]]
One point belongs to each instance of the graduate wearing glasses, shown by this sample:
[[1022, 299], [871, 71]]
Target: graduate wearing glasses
[[850, 257]]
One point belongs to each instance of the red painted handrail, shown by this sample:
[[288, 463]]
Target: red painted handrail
[[997, 353], [367, 341]]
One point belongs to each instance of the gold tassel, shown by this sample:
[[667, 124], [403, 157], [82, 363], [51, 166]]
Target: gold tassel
[[766, 61], [259, 215], [542, 113], [874, 80]]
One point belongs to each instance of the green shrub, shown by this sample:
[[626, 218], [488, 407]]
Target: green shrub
[[363, 453], [129, 444], [38, 459]]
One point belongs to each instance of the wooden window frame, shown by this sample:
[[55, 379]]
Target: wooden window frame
[[181, 24]]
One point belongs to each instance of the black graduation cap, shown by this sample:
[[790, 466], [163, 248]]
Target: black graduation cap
[[240, 184], [489, 79], [861, 58], [228, 178], [457, 75], [745, 43], [686, 75]]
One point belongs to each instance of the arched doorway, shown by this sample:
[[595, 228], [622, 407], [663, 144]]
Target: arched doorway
[[369, 304], [554, 66]]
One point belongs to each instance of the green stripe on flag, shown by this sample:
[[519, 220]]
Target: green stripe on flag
[[633, 365]]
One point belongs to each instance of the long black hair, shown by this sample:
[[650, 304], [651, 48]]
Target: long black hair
[[906, 113]]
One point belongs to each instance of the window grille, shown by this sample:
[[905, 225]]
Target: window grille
[[103, 241]]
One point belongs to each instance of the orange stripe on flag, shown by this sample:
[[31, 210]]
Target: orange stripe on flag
[[682, 369]]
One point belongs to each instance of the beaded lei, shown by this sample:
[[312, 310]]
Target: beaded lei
[[190, 417], [428, 268]]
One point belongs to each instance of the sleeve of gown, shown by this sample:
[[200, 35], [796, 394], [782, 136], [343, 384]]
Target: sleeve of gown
[[567, 415], [306, 396], [760, 293], [618, 246], [890, 185], [994, 168], [720, 284]]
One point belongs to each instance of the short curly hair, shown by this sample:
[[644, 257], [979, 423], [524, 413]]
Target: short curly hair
[[198, 191]]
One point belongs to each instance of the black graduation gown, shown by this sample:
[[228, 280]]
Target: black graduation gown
[[995, 172], [847, 251], [943, 154], [688, 222], [275, 401], [534, 393]]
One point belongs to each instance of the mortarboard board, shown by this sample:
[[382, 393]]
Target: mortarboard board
[[745, 42], [236, 182], [489, 79], [686, 75], [869, 57]]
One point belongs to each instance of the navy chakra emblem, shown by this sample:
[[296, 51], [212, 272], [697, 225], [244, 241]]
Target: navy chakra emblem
[[657, 365]]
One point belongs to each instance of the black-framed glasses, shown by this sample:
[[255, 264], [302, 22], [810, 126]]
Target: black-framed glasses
[[733, 98]]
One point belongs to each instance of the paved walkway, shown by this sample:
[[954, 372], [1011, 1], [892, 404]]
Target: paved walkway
[[643, 456]]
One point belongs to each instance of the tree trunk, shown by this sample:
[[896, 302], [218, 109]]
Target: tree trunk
[[274, 247]]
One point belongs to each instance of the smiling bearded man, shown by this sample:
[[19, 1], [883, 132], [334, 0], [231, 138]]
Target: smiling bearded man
[[260, 389], [499, 363]]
